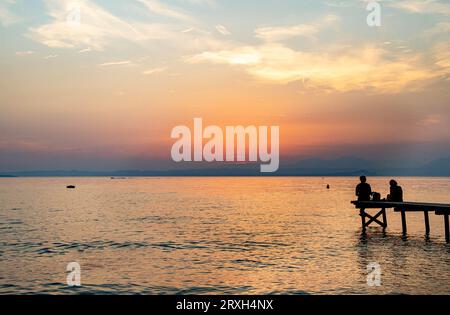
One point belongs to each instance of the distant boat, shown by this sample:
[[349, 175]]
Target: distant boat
[[70, 187]]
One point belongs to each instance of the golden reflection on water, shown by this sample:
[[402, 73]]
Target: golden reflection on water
[[214, 235]]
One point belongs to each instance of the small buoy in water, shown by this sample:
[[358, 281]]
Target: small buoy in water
[[71, 187], [328, 186]]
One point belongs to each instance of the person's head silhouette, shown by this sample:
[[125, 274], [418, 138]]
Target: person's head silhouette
[[393, 183], [363, 179]]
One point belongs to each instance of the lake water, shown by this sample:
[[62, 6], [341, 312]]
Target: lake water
[[214, 236]]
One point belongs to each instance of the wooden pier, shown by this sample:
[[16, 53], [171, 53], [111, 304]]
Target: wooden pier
[[402, 207]]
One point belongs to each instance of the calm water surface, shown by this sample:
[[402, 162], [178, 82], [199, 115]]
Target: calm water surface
[[214, 236]]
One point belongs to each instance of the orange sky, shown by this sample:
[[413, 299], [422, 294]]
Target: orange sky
[[113, 86]]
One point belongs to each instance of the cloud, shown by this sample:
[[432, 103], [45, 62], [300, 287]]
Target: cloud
[[439, 7], [338, 4], [438, 29], [342, 69], [85, 50], [442, 57], [96, 27], [279, 33], [24, 53], [222, 30], [154, 70], [50, 56], [7, 17], [422, 6], [242, 56], [208, 2], [115, 63], [165, 10], [431, 120]]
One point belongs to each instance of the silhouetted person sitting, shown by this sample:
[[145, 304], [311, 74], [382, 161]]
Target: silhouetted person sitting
[[363, 190], [396, 194]]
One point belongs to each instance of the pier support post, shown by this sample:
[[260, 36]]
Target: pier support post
[[380, 217], [404, 222], [427, 223], [447, 231], [362, 213], [384, 218], [372, 218]]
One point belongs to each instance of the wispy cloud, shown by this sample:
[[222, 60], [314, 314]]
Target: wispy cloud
[[160, 8], [344, 69], [438, 29], [438, 7], [24, 53], [442, 57], [115, 63], [222, 30], [96, 29], [422, 6], [279, 33], [7, 17], [85, 50], [154, 70], [241, 56], [431, 120], [208, 2]]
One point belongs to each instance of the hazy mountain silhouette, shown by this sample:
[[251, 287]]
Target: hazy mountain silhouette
[[339, 166], [344, 166], [440, 167], [343, 163]]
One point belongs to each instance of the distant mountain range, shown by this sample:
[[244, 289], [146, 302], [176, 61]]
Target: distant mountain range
[[346, 166]]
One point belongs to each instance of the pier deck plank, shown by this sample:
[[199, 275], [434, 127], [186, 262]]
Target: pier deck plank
[[407, 206]]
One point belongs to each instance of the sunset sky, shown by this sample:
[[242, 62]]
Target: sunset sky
[[104, 92]]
